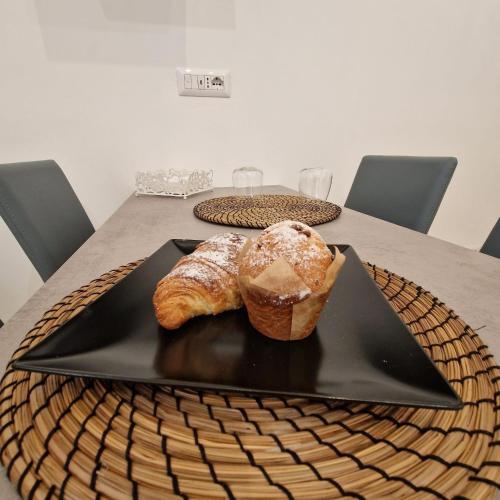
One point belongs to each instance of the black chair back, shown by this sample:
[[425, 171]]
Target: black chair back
[[43, 212], [492, 244], [405, 190]]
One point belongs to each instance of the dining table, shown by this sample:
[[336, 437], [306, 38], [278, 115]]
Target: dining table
[[466, 280]]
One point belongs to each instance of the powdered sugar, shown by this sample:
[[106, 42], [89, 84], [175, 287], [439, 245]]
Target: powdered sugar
[[304, 293], [220, 250], [221, 258], [228, 239], [289, 226], [284, 240], [194, 270], [300, 295]]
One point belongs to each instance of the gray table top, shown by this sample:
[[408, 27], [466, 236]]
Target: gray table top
[[467, 281]]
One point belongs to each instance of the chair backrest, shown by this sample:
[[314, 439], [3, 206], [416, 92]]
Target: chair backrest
[[492, 244], [43, 212], [405, 190]]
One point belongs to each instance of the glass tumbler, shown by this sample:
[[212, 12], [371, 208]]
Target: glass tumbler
[[315, 182], [247, 181]]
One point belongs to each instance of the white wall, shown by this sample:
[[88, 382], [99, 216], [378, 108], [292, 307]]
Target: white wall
[[92, 85]]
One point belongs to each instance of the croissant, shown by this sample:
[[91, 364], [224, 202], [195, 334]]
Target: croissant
[[204, 282]]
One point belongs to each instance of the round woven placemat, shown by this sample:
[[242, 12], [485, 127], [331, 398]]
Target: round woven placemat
[[81, 438], [265, 210]]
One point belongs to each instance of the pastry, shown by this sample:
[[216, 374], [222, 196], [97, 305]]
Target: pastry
[[285, 276], [204, 282]]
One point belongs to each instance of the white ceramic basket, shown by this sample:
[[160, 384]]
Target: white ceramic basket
[[177, 183]]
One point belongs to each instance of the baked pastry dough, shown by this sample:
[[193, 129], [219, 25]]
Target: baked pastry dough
[[204, 282]]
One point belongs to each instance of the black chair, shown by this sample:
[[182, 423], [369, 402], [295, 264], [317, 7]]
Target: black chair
[[43, 212], [405, 190], [492, 244]]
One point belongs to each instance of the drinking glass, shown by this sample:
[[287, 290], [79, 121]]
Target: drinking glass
[[315, 182], [247, 181]]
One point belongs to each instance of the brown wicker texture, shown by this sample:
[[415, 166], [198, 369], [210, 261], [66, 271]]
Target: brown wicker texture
[[266, 210], [76, 438]]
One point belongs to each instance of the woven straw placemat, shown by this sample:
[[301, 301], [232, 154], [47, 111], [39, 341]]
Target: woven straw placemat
[[265, 210], [81, 438]]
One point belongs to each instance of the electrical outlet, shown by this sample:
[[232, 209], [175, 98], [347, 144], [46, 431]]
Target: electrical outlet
[[203, 82]]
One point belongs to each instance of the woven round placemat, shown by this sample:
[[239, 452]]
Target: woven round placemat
[[265, 210], [81, 438]]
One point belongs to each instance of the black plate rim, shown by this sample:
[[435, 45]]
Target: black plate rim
[[25, 365]]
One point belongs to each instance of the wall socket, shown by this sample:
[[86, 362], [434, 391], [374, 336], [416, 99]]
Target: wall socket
[[203, 82]]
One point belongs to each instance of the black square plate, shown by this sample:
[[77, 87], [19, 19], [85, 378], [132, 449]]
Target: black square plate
[[360, 350]]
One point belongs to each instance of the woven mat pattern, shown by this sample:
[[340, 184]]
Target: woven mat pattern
[[265, 210], [81, 438]]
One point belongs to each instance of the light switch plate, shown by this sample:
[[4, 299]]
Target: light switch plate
[[201, 82]]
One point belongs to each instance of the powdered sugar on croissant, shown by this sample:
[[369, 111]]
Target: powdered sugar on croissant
[[204, 282]]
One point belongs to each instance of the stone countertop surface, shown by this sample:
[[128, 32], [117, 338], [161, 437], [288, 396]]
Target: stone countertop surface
[[466, 280]]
